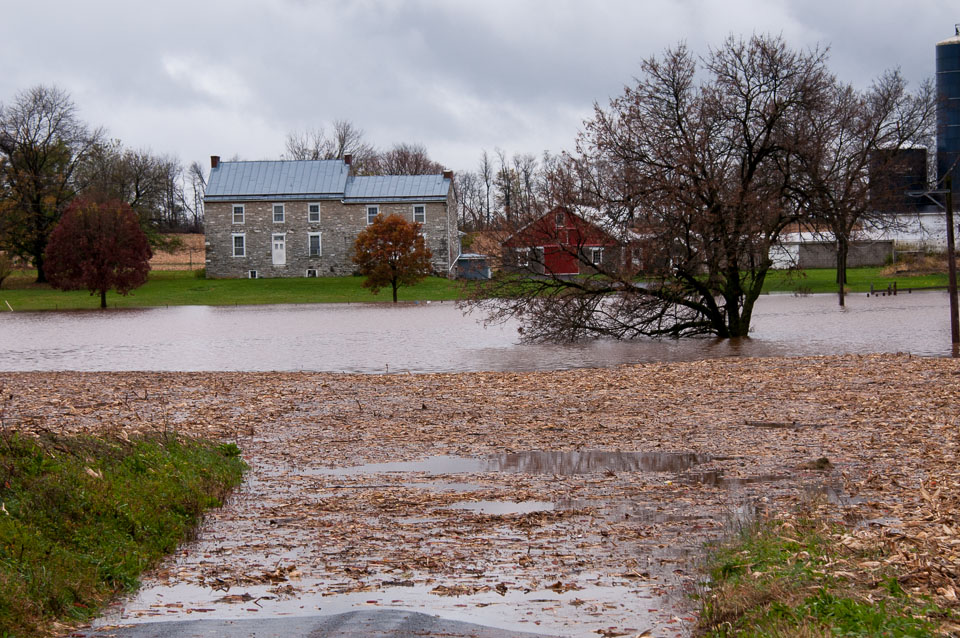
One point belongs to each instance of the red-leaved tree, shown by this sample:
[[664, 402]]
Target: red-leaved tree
[[391, 252], [98, 246]]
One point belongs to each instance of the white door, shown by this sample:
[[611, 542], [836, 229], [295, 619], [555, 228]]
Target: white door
[[279, 250]]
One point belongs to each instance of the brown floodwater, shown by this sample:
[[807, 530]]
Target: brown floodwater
[[437, 337], [533, 462]]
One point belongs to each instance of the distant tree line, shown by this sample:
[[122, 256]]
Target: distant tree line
[[345, 138], [506, 189], [49, 158]]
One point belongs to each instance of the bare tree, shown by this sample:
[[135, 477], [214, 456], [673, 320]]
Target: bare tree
[[702, 173], [42, 143], [310, 144], [348, 138], [469, 200], [858, 134], [345, 138], [404, 159], [486, 181], [198, 187], [527, 187], [559, 178]]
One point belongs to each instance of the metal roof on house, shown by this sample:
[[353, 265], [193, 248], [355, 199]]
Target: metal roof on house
[[396, 187], [319, 178], [294, 177]]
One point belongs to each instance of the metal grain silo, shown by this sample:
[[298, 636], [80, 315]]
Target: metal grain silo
[[948, 108]]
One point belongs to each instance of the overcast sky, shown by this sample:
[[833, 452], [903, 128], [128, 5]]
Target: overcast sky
[[194, 78]]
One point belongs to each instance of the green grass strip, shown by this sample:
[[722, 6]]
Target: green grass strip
[[83, 517], [780, 579], [824, 280], [185, 288]]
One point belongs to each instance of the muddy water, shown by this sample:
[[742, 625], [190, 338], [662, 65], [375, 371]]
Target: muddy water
[[535, 462], [613, 551], [572, 574], [436, 337]]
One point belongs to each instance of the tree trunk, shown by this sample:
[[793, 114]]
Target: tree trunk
[[737, 326], [103, 299], [842, 248], [38, 262], [394, 285]]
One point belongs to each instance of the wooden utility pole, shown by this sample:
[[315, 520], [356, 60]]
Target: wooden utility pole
[[952, 268], [951, 256]]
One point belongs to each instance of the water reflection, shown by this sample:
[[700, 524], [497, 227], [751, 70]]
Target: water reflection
[[373, 338], [535, 462], [592, 461], [500, 508]]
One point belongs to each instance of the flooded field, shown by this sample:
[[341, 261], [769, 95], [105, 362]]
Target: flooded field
[[564, 543], [437, 337], [559, 503]]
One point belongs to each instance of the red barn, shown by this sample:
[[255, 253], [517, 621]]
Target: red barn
[[561, 243]]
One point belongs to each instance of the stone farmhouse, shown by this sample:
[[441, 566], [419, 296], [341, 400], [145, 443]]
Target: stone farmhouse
[[300, 218]]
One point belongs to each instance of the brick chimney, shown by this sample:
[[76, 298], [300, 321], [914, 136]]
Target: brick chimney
[[348, 158], [214, 161], [448, 174]]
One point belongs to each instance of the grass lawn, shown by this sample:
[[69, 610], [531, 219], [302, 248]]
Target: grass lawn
[[83, 517], [824, 280], [184, 288]]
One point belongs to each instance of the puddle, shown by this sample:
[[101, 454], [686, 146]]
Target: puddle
[[592, 461], [638, 512], [534, 462], [716, 478], [433, 465], [443, 486], [782, 425], [502, 507], [418, 520]]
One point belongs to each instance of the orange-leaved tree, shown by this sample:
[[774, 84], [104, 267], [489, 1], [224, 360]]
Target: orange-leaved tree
[[98, 246], [391, 252]]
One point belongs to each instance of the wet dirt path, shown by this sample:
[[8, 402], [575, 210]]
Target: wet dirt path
[[563, 503]]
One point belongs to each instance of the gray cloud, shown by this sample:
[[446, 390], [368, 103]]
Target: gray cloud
[[232, 78]]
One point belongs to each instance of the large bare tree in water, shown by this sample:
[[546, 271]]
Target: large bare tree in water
[[699, 160]]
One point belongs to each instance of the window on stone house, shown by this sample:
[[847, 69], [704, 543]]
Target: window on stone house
[[419, 213], [372, 212], [278, 214], [313, 244], [313, 213], [238, 213], [239, 245]]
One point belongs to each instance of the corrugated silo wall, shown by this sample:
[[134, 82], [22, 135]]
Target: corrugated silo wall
[[948, 110]]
